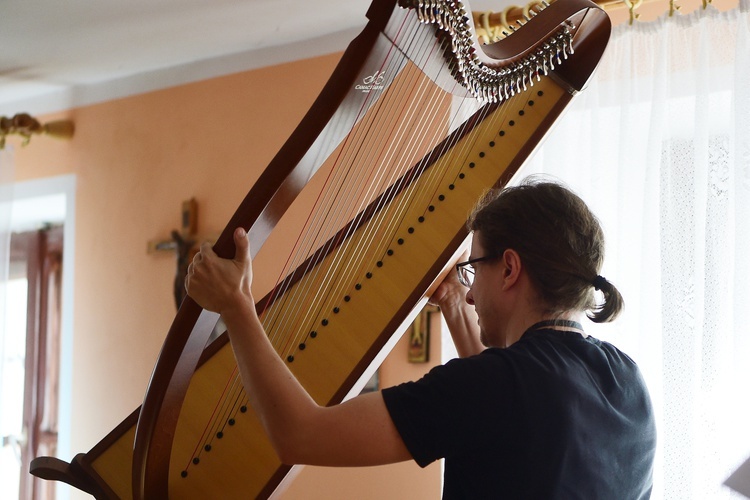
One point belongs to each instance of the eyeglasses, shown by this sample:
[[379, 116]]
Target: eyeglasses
[[465, 270]]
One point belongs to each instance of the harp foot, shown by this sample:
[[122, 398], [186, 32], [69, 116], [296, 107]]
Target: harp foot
[[54, 469]]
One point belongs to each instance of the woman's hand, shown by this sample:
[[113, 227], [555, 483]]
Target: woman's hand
[[217, 284], [460, 316], [450, 293]]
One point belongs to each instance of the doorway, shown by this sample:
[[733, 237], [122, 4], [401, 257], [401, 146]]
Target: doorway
[[29, 366]]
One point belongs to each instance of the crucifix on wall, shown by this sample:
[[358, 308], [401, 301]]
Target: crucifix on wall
[[184, 244]]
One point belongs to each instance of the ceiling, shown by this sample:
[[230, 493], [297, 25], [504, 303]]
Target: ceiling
[[63, 54], [58, 55]]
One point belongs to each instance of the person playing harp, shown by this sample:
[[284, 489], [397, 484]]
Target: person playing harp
[[533, 408]]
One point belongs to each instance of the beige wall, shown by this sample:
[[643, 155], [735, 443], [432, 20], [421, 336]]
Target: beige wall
[[135, 160]]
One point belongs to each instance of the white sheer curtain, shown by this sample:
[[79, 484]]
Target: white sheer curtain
[[659, 146], [8, 458], [7, 176]]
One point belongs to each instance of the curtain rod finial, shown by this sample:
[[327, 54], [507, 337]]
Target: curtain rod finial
[[62, 129]]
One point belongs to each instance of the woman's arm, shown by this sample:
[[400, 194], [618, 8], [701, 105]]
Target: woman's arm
[[357, 432]]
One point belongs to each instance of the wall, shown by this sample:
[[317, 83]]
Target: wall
[[135, 160]]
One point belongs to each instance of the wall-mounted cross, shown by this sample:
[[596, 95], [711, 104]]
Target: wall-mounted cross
[[183, 243]]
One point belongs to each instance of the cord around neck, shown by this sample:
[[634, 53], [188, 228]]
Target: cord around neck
[[565, 323]]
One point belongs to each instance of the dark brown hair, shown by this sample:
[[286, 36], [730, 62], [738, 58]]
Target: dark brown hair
[[560, 242]]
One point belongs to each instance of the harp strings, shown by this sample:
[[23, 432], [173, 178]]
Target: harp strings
[[359, 185], [326, 287], [318, 219]]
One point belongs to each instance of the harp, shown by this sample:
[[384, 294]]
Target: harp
[[414, 124]]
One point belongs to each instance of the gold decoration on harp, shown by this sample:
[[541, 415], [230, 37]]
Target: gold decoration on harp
[[26, 125]]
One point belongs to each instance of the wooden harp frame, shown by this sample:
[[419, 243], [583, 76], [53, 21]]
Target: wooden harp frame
[[506, 69]]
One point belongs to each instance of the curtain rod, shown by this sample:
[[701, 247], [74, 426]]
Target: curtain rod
[[491, 25], [26, 125]]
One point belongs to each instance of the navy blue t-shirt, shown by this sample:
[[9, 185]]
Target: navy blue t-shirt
[[555, 415]]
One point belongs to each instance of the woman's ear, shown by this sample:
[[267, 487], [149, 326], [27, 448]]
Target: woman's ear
[[511, 262]]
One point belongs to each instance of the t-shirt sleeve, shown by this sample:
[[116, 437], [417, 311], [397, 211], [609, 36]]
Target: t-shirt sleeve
[[446, 412]]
